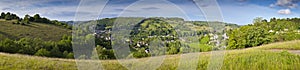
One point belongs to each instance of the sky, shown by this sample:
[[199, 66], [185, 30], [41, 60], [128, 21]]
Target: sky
[[240, 12]]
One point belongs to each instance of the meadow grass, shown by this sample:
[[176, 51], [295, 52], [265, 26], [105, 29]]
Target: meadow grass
[[289, 45], [257, 58], [34, 30]]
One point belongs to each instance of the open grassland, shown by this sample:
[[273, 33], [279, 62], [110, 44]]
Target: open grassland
[[290, 45], [258, 58], [33, 30]]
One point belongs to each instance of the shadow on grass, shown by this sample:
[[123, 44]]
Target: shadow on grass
[[8, 35]]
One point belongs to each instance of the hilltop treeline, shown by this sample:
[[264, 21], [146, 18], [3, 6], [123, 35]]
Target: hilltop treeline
[[264, 32], [27, 19], [8, 16]]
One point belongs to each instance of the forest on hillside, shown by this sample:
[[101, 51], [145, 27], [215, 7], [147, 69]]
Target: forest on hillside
[[177, 35], [264, 32]]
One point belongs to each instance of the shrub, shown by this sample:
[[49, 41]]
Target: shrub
[[104, 53], [70, 56], [42, 52], [140, 53], [204, 40], [55, 52]]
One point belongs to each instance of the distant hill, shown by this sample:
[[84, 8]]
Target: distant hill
[[48, 32], [72, 22]]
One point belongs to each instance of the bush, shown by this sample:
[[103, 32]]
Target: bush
[[140, 53], [70, 56], [65, 54], [55, 52], [263, 32], [205, 48], [9, 46], [172, 50], [105, 53], [42, 52], [204, 40]]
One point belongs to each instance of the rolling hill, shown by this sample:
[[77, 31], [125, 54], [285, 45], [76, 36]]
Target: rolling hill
[[258, 58], [47, 32]]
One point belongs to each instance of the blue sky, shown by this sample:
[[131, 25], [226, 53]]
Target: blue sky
[[234, 11]]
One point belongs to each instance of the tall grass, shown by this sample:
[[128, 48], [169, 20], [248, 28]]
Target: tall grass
[[33, 30], [246, 59], [289, 45]]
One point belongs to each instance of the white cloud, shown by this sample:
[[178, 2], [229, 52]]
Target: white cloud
[[90, 9], [149, 8], [51, 11], [246, 13], [284, 11], [32, 7], [272, 5], [240, 14], [287, 3], [293, 6], [283, 2]]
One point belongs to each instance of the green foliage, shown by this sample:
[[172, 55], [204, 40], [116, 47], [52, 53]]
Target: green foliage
[[140, 53], [2, 16], [36, 47], [70, 56], [247, 36], [65, 54], [36, 18], [205, 48], [8, 16], [26, 19], [104, 53], [42, 52], [205, 40], [250, 59], [149, 29], [198, 47], [9, 46], [263, 32], [55, 52], [152, 29]]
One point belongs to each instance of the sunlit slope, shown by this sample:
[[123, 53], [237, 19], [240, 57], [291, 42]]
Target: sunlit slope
[[258, 58], [33, 30]]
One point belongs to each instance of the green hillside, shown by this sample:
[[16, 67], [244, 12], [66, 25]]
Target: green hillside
[[33, 30], [258, 58]]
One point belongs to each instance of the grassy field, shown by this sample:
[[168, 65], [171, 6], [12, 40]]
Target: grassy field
[[33, 30], [258, 58], [291, 45]]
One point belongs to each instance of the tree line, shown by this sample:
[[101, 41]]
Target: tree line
[[263, 31], [38, 47]]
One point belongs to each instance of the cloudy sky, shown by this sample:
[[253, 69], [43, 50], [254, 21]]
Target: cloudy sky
[[233, 11]]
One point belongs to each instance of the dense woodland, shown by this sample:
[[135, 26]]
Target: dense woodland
[[264, 32], [179, 36]]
